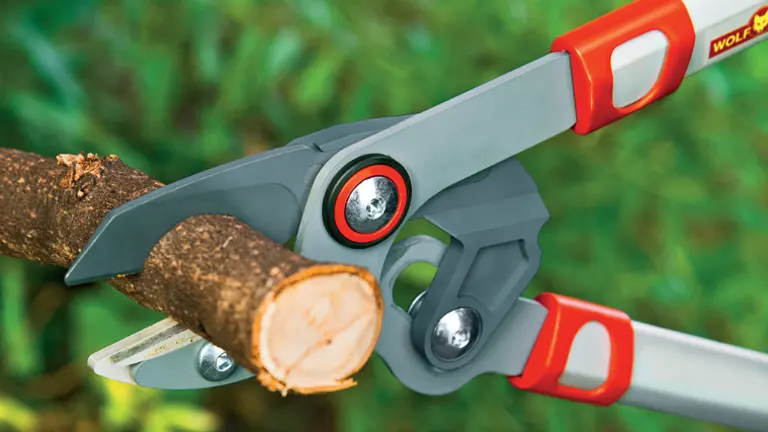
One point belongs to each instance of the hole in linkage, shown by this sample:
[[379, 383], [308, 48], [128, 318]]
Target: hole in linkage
[[412, 282], [417, 277]]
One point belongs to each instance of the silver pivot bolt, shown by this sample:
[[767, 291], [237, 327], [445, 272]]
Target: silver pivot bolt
[[456, 332], [214, 364], [371, 205]]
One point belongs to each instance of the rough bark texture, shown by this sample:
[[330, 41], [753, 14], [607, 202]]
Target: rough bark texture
[[213, 274]]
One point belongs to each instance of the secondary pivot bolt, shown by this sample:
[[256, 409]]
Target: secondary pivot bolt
[[456, 334]]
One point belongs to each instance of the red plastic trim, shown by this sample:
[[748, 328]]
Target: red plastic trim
[[592, 45], [550, 353], [346, 190]]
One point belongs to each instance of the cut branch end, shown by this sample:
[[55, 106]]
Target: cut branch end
[[317, 329]]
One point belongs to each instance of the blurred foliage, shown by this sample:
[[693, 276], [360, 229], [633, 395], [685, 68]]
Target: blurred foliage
[[662, 215]]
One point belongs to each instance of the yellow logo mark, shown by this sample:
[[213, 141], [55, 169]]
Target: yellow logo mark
[[754, 28], [760, 22]]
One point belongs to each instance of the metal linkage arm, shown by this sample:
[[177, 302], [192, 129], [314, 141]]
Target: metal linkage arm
[[593, 354]]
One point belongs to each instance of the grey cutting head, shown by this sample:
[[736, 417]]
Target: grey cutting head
[[459, 159], [484, 215]]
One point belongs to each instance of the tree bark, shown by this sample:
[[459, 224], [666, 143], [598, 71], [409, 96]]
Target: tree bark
[[300, 325]]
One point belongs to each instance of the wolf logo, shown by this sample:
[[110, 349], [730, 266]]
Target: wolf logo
[[760, 22]]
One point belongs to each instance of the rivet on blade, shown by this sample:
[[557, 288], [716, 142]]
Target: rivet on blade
[[214, 364]]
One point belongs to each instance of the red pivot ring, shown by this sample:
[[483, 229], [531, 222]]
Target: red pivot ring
[[367, 201]]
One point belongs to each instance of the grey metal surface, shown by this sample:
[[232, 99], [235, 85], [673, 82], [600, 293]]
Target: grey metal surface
[[506, 352], [494, 219], [679, 374], [690, 376], [151, 349], [439, 148], [266, 191], [450, 142], [179, 370]]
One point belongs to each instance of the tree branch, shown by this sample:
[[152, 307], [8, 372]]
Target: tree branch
[[298, 324]]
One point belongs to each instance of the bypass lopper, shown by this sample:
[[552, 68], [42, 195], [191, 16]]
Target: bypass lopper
[[345, 192]]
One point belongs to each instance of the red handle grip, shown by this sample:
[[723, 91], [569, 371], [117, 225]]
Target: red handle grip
[[592, 45], [549, 357]]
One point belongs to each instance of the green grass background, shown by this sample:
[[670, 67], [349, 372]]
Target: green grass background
[[662, 215]]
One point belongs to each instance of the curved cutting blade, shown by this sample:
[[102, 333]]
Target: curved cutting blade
[[179, 370], [164, 355], [264, 191]]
